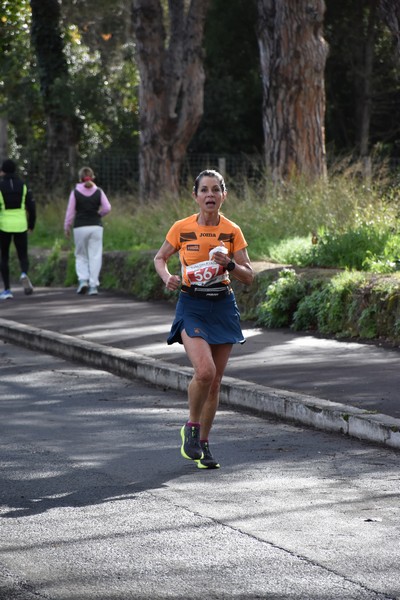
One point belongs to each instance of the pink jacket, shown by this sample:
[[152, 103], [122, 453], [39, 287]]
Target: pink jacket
[[105, 205]]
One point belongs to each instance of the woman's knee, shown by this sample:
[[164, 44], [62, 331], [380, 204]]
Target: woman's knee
[[216, 384], [205, 373]]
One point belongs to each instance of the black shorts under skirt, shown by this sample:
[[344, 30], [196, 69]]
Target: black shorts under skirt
[[217, 322]]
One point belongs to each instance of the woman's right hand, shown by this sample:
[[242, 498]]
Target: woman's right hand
[[173, 282]]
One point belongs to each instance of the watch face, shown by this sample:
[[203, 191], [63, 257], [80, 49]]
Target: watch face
[[230, 266]]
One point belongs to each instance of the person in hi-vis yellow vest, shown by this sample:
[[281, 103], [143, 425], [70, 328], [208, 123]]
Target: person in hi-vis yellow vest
[[17, 217]]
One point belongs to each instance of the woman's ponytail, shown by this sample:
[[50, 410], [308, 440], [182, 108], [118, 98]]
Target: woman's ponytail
[[86, 177]]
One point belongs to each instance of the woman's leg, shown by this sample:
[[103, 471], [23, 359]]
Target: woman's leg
[[5, 242], [81, 253], [200, 355], [209, 364], [220, 353], [21, 246], [95, 255]]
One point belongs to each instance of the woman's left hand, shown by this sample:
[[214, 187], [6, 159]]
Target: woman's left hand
[[221, 258]]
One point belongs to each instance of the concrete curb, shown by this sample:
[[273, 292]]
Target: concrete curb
[[318, 413]]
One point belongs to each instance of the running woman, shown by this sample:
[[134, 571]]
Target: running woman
[[212, 250]]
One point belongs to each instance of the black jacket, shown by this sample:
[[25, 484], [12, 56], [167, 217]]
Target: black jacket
[[11, 188]]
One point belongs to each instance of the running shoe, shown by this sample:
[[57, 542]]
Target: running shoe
[[83, 287], [6, 295], [208, 461], [191, 448], [26, 284], [93, 291]]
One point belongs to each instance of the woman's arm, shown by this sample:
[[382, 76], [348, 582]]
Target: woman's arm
[[70, 213], [172, 282], [105, 206], [243, 270]]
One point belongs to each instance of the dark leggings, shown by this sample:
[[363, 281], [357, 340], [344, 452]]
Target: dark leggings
[[21, 246]]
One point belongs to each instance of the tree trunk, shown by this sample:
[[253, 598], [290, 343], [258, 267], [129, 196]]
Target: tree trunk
[[62, 127], [3, 138], [390, 13], [171, 89], [364, 111], [293, 54]]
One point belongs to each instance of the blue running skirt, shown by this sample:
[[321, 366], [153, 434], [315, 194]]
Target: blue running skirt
[[216, 321]]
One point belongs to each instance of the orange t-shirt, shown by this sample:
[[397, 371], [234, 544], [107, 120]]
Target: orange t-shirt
[[194, 242]]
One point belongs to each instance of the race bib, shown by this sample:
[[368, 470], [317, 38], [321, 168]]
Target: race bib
[[204, 273]]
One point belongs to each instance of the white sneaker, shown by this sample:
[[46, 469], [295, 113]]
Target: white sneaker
[[83, 287], [93, 291], [26, 284], [6, 295]]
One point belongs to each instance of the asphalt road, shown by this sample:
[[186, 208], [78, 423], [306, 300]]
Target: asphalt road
[[366, 376], [97, 503], [333, 385]]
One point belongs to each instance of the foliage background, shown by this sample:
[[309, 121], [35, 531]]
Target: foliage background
[[345, 284], [103, 81]]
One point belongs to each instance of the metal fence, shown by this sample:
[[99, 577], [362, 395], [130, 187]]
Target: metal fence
[[118, 173], [121, 172]]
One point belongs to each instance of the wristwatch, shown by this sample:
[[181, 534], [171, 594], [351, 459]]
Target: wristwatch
[[230, 266]]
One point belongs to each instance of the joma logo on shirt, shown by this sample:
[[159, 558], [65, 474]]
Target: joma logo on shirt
[[208, 235]]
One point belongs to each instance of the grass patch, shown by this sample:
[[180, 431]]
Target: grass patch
[[355, 228], [353, 223]]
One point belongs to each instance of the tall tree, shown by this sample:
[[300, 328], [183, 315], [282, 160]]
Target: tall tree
[[171, 91], [104, 80], [390, 13], [19, 97], [362, 81], [293, 53], [62, 126], [232, 121]]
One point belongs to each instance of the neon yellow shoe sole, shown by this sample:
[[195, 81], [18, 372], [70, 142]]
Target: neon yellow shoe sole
[[188, 435]]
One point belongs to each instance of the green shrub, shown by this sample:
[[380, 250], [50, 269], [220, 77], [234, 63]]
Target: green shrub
[[335, 304], [70, 273], [359, 249], [48, 270], [294, 251], [367, 323], [305, 318], [282, 297], [386, 261], [348, 250], [329, 306]]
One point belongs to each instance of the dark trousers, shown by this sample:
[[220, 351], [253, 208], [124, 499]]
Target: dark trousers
[[21, 246]]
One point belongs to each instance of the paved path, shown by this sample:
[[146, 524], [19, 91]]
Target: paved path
[[340, 386], [96, 502]]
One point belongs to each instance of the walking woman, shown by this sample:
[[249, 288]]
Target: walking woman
[[212, 249], [87, 205], [17, 219]]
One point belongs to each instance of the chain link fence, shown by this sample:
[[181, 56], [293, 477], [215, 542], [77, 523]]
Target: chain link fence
[[118, 172]]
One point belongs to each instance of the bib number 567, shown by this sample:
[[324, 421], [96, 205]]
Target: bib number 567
[[204, 274]]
